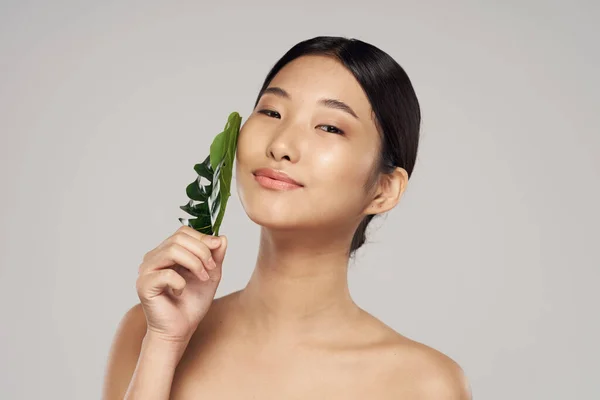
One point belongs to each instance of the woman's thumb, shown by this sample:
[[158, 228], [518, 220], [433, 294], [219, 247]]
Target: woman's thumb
[[219, 252]]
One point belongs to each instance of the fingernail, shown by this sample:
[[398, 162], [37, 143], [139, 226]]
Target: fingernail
[[211, 263], [215, 240], [204, 275]]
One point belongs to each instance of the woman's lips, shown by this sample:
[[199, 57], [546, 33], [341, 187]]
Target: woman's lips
[[271, 183], [273, 179]]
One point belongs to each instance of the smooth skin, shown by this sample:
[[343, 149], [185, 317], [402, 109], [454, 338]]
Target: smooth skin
[[294, 332]]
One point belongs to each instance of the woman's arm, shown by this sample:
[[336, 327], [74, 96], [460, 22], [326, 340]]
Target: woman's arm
[[140, 366], [153, 376]]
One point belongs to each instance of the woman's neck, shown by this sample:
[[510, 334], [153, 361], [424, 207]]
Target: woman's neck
[[299, 288]]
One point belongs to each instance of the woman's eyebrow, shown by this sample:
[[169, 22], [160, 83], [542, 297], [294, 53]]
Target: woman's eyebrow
[[277, 91], [338, 105], [331, 103]]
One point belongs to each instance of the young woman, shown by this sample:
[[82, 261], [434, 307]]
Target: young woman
[[331, 143]]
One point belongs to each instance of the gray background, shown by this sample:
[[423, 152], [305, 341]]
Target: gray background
[[491, 257]]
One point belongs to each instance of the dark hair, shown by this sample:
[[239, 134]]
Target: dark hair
[[390, 92]]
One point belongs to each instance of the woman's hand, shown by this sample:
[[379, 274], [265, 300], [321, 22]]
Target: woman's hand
[[177, 283]]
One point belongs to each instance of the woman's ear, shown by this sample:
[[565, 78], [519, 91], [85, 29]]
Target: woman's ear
[[390, 188]]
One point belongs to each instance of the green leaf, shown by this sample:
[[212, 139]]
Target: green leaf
[[204, 169], [217, 168], [199, 224], [198, 192], [197, 209], [224, 170], [217, 149]]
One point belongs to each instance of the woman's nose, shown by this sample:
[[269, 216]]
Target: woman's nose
[[284, 145]]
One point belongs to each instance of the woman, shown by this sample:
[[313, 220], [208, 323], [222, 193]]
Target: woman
[[331, 142]]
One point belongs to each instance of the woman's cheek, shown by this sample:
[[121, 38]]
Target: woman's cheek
[[244, 143], [333, 165]]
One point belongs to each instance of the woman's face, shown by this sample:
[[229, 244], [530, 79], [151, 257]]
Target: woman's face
[[315, 124]]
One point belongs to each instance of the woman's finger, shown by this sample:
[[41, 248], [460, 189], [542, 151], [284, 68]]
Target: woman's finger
[[175, 254], [156, 282]]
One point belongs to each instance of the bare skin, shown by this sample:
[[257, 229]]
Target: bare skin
[[294, 332], [365, 359]]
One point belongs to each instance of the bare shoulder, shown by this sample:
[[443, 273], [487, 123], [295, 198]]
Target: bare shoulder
[[435, 375], [415, 370], [124, 352], [127, 341]]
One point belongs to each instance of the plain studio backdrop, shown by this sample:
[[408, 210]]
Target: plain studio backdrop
[[491, 256]]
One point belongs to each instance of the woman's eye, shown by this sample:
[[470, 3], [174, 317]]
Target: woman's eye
[[332, 129], [271, 113], [326, 128]]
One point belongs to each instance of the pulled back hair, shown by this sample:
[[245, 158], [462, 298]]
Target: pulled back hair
[[391, 96]]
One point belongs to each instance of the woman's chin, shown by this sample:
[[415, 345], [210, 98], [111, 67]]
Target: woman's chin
[[269, 210], [273, 220]]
